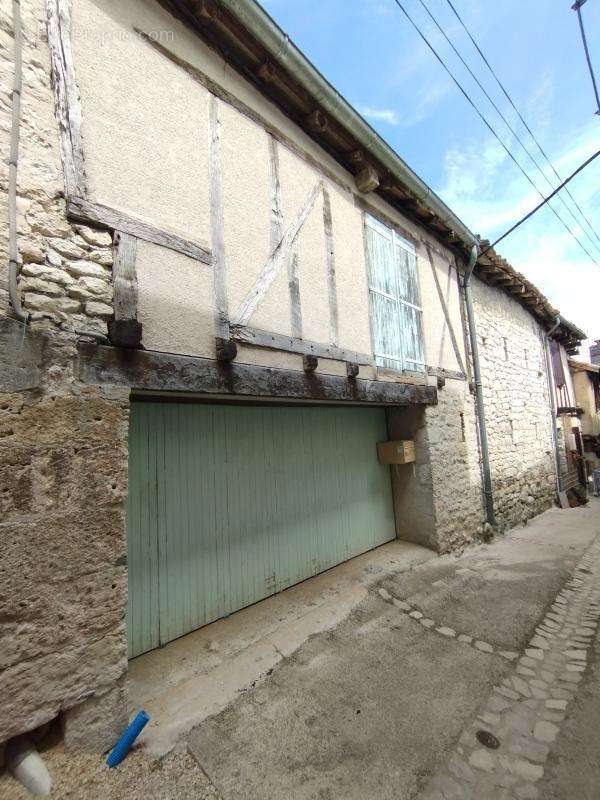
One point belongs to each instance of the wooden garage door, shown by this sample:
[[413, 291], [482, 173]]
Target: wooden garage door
[[230, 504]]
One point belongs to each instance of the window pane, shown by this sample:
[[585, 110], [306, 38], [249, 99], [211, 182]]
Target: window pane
[[386, 332], [408, 282], [381, 264], [411, 337]]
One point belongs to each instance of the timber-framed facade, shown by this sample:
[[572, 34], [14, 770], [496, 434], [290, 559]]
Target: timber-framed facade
[[228, 276]]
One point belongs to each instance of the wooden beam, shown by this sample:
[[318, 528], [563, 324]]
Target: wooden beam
[[331, 277], [67, 105], [310, 363], [146, 370], [442, 300], [125, 330], [279, 256], [316, 121], [367, 179], [277, 233], [124, 276], [80, 210], [289, 344], [221, 305], [226, 349], [440, 372]]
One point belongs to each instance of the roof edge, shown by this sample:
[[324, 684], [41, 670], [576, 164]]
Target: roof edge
[[258, 22]]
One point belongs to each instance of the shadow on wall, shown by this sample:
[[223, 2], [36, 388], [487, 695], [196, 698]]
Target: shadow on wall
[[438, 501]]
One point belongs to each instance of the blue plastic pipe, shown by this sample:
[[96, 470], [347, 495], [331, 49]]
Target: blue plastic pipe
[[123, 746]]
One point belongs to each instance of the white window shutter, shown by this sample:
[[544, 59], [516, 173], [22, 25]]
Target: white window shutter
[[395, 301]]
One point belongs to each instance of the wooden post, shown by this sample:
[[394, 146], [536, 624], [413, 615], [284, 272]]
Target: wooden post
[[125, 330]]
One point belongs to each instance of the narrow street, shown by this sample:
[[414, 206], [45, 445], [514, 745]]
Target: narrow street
[[398, 697], [391, 702]]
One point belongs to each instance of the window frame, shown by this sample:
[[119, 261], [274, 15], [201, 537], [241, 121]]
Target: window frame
[[391, 233]]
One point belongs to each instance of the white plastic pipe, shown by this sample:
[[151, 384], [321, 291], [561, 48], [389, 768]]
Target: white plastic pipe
[[25, 763]]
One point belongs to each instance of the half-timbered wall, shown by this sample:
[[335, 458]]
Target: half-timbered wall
[[172, 137], [155, 183]]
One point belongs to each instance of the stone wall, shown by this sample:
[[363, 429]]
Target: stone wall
[[438, 500], [63, 447], [515, 389], [63, 481], [65, 278]]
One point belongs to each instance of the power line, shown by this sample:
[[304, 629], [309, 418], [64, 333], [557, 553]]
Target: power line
[[543, 203], [577, 7], [506, 122], [488, 126], [510, 100]]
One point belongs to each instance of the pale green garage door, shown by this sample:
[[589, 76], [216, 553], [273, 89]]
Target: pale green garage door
[[230, 504]]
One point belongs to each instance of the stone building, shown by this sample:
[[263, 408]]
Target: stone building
[[586, 386], [229, 291]]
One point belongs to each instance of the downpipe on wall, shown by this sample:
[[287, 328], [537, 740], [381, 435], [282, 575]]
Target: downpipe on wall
[[13, 248], [483, 440], [553, 402]]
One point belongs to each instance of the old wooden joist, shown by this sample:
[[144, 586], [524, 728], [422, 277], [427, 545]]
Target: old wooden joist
[[166, 372]]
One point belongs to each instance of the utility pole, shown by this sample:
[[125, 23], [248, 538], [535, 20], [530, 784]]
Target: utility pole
[[577, 7]]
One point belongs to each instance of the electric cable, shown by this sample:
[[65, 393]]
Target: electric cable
[[489, 127], [510, 127], [510, 100], [543, 203]]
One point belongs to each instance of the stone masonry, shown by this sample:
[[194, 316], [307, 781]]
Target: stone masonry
[[63, 446], [63, 582], [517, 406], [65, 277], [441, 502]]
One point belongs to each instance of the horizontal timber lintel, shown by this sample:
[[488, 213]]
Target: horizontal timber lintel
[[440, 372], [166, 372], [277, 341]]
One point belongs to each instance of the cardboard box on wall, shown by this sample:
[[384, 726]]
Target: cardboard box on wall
[[398, 452]]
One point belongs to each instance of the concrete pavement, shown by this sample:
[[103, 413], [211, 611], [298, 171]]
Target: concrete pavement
[[388, 703]]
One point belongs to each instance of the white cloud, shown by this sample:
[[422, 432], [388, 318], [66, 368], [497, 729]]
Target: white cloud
[[486, 190], [387, 115]]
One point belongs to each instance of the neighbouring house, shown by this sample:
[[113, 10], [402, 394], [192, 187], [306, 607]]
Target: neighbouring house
[[586, 385], [572, 475], [233, 290]]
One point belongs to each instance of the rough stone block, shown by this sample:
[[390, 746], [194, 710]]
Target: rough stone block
[[94, 725]]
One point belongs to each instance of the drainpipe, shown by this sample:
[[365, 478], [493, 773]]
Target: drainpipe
[[13, 248], [483, 440], [553, 402]]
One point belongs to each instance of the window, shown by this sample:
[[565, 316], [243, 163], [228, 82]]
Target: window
[[396, 313]]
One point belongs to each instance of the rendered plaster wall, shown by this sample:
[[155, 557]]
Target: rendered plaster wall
[[515, 389], [150, 158]]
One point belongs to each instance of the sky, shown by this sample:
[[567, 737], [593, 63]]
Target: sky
[[369, 51]]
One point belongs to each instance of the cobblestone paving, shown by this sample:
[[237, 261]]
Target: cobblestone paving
[[525, 711]]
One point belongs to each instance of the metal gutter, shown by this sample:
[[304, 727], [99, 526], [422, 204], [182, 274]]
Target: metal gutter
[[483, 440], [283, 51]]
